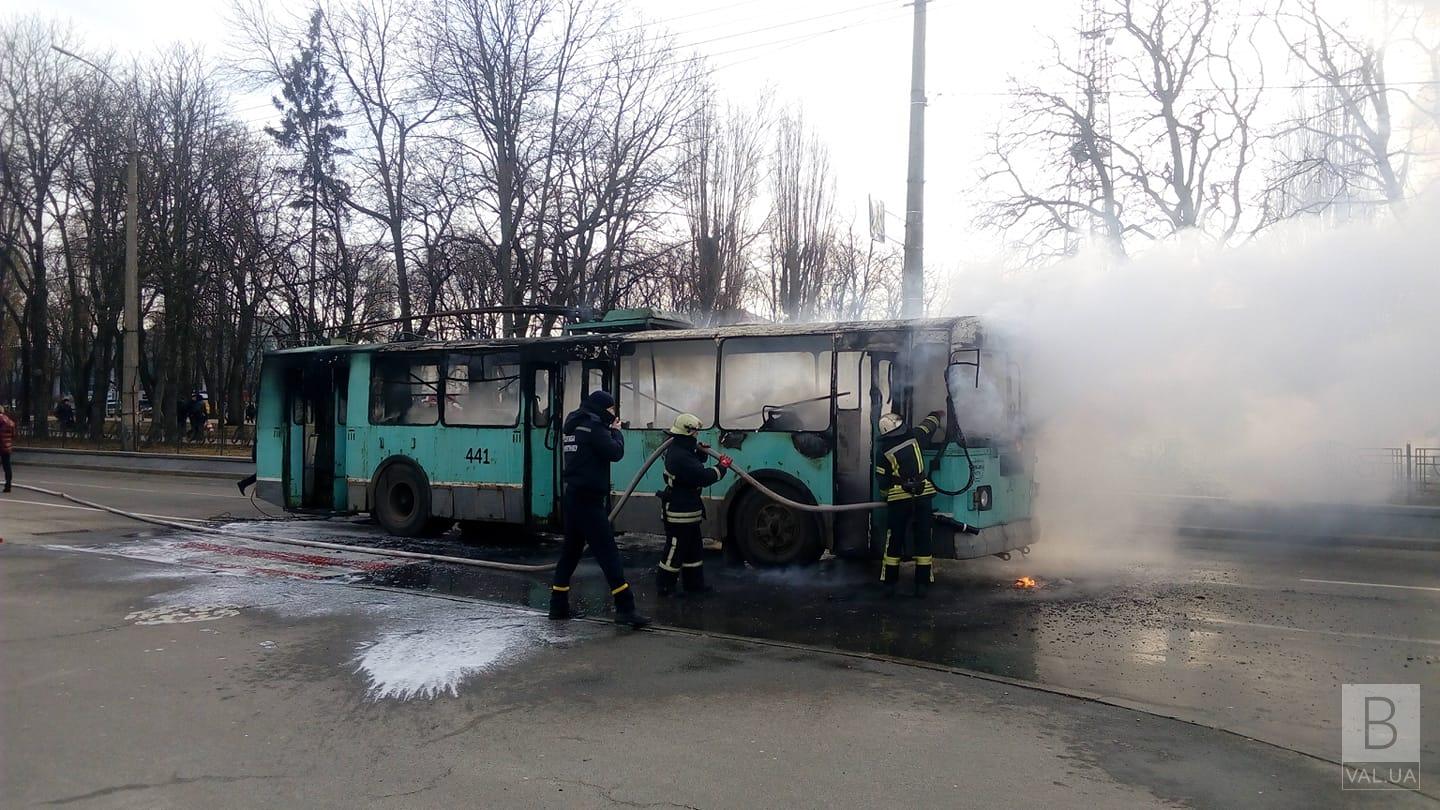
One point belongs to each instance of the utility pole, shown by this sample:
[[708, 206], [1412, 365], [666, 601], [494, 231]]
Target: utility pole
[[130, 345], [912, 283]]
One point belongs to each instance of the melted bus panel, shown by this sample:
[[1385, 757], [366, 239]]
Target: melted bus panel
[[426, 433]]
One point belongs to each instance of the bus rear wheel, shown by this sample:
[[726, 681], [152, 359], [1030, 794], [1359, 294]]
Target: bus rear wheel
[[771, 534], [402, 502]]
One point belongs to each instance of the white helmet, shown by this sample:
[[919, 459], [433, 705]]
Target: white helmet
[[686, 424], [890, 422]]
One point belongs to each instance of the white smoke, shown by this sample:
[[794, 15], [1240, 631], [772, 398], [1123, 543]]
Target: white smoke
[[1265, 371]]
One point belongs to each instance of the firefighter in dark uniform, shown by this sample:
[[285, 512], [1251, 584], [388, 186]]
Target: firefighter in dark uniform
[[592, 443], [908, 493], [685, 475]]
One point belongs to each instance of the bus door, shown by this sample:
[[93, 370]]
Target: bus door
[[580, 378], [315, 449], [877, 375], [543, 420]]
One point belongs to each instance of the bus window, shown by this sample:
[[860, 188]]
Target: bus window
[[775, 383], [540, 412], [985, 401], [848, 381], [482, 390], [404, 390], [928, 360], [663, 380], [887, 402]]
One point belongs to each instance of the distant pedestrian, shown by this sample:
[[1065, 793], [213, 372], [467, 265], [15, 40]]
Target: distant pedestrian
[[7, 443], [250, 413], [65, 414], [592, 443], [197, 417]]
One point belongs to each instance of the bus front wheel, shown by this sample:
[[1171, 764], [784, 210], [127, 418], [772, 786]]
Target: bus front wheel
[[402, 502], [771, 534]]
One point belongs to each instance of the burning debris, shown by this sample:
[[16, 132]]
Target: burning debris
[[1027, 583]]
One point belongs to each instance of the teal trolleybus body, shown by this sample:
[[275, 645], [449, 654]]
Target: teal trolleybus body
[[426, 433]]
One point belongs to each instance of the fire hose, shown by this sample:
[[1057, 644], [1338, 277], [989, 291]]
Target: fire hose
[[196, 526]]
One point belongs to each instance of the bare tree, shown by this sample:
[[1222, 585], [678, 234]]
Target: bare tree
[[720, 183], [802, 218], [38, 88], [1351, 149], [368, 43], [1171, 152]]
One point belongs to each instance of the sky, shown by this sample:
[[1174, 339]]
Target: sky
[[846, 61]]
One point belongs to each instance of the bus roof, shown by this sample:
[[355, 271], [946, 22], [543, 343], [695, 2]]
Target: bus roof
[[965, 328]]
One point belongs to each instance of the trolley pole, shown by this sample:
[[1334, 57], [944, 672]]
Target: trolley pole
[[130, 350], [912, 285], [130, 345]]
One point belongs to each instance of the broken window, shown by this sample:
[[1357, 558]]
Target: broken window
[[404, 390], [776, 383], [483, 390], [662, 380]]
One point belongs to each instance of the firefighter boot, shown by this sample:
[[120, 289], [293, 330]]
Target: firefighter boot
[[560, 604], [625, 612], [665, 581], [924, 575], [693, 578], [889, 579]]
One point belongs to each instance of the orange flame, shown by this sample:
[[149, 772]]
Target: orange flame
[[1027, 583]]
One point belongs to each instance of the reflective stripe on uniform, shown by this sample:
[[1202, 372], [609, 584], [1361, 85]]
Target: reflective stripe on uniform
[[684, 517], [666, 565], [615, 591], [924, 560], [692, 564], [560, 588], [886, 561]]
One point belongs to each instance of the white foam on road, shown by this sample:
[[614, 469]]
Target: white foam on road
[[411, 647], [432, 659]]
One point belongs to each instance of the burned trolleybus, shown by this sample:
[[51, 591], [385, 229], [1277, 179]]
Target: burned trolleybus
[[426, 434]]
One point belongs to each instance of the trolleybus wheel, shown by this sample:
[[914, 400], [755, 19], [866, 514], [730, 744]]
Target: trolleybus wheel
[[772, 534], [402, 501]]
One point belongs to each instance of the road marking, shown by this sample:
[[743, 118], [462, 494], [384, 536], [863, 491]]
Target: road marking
[[1371, 584], [135, 489], [1262, 626], [93, 509]]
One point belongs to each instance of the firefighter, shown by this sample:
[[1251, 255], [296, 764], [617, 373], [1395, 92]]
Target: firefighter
[[908, 493], [592, 443], [685, 475]]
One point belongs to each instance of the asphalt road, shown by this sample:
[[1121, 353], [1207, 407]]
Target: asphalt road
[[1254, 639]]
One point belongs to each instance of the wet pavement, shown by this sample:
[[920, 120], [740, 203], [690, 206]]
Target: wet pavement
[[1228, 635], [1249, 637]]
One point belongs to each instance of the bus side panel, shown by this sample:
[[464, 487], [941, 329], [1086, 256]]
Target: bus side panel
[[477, 473], [271, 422], [360, 457], [1005, 524], [760, 451]]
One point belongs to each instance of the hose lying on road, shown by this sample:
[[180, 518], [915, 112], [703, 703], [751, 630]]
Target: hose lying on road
[[415, 555], [383, 552]]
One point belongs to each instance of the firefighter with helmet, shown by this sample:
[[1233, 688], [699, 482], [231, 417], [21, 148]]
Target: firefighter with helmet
[[683, 510], [908, 493]]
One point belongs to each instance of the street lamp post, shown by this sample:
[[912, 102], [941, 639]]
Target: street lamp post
[[130, 346]]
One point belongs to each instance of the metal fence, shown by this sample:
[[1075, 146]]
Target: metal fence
[[1412, 471], [215, 438]]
